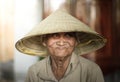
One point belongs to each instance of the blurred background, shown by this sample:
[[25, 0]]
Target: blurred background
[[18, 17]]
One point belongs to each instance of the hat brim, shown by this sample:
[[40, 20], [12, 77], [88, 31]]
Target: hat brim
[[60, 21], [88, 42]]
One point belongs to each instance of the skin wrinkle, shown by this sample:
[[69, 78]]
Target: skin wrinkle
[[60, 47]]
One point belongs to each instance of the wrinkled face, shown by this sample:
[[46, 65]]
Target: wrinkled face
[[61, 44]]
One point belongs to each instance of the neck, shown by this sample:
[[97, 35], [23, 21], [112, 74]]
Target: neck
[[59, 65], [58, 62]]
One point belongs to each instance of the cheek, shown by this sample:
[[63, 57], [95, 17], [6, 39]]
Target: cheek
[[50, 42], [72, 43]]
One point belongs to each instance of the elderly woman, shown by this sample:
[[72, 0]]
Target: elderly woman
[[61, 39]]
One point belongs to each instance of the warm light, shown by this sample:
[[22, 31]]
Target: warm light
[[6, 30], [55, 4]]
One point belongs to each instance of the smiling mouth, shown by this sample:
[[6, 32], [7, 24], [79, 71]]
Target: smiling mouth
[[61, 48]]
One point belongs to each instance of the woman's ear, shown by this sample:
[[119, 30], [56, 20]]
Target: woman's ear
[[44, 44]]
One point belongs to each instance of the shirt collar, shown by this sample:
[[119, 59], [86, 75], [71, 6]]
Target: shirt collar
[[47, 74], [73, 64]]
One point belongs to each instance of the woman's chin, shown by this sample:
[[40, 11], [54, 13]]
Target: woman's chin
[[61, 54]]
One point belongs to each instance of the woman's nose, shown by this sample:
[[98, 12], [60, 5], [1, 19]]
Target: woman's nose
[[61, 42]]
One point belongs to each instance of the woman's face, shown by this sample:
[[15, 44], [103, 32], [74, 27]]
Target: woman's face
[[61, 44]]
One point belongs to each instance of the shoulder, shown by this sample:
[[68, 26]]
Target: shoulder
[[89, 67], [92, 70], [87, 63], [38, 65], [33, 71]]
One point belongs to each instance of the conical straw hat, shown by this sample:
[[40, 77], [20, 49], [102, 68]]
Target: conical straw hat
[[60, 21]]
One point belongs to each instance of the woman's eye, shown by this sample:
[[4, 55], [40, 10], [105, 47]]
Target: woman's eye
[[69, 35], [55, 35]]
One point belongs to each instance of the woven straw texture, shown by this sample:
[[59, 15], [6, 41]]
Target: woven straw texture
[[60, 21]]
